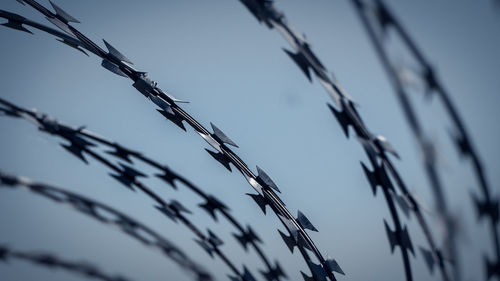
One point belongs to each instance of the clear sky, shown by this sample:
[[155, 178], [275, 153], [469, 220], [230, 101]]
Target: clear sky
[[234, 73]]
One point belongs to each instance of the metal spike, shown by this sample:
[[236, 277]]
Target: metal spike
[[115, 53], [401, 238], [303, 243], [370, 148], [73, 45], [168, 211], [385, 145], [273, 273], [214, 239], [307, 277], [307, 49], [266, 179], [211, 140], [392, 237], [289, 241], [301, 62], [431, 81], [161, 103], [255, 184], [131, 172], [219, 135], [121, 153], [333, 266], [246, 237], [487, 208], [127, 176], [383, 15], [247, 276], [172, 98], [211, 205], [112, 67], [403, 204], [428, 258], [51, 126], [318, 271], [290, 226], [168, 176], [260, 200], [222, 158], [176, 205], [174, 118], [378, 177], [462, 145], [62, 14], [304, 221], [127, 182], [76, 150], [205, 247], [342, 118], [258, 10], [406, 241], [16, 25], [61, 25]]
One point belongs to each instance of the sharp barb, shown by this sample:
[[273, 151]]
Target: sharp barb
[[260, 200], [113, 68], [301, 62], [115, 53], [62, 14], [266, 179], [221, 158], [304, 221]]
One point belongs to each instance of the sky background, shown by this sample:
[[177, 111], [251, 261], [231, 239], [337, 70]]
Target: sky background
[[234, 73]]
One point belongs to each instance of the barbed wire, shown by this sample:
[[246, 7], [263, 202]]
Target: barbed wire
[[425, 145], [385, 20], [49, 260], [117, 63], [211, 204], [346, 115], [109, 216], [127, 176]]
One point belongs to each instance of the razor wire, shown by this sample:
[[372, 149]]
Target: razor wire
[[425, 145], [49, 260], [374, 146], [109, 216], [117, 63], [385, 20], [127, 176], [211, 204]]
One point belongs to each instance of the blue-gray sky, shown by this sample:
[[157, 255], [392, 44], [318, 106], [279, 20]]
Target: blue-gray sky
[[234, 73]]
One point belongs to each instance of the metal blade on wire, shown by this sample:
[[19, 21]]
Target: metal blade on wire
[[278, 205], [375, 146], [109, 216], [52, 261], [127, 176]]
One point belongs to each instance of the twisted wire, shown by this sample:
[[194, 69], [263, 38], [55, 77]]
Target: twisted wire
[[117, 63], [109, 216]]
